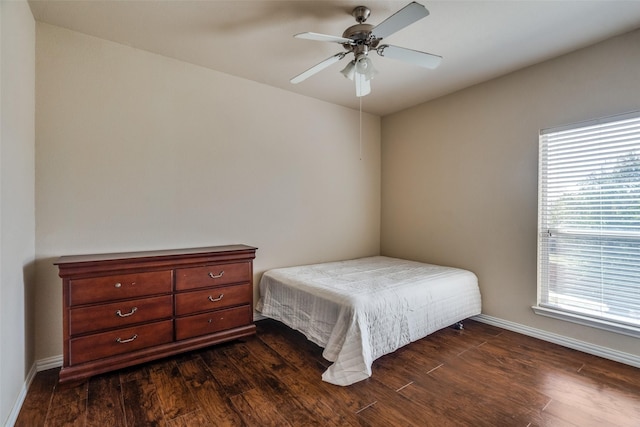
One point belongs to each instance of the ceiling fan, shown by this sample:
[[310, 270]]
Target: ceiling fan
[[360, 39]]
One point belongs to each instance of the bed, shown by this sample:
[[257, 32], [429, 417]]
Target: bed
[[359, 310]]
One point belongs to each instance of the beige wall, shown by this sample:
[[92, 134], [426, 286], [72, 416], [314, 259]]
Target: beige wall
[[136, 151], [17, 216], [459, 174]]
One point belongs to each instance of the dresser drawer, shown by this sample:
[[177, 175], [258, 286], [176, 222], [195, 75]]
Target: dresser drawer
[[119, 314], [212, 275], [122, 286], [105, 344], [213, 298], [215, 321]]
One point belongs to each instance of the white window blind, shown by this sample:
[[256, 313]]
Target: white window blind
[[589, 223]]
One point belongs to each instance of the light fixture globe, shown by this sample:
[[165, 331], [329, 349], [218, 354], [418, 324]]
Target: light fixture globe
[[364, 66], [350, 70]]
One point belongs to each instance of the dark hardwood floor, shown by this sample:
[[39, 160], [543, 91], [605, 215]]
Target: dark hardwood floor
[[480, 376]]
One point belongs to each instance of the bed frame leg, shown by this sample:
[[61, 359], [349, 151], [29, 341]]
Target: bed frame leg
[[458, 325]]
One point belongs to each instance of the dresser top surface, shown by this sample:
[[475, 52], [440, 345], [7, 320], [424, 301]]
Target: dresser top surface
[[184, 252]]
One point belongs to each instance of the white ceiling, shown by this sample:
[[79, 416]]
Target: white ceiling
[[478, 39]]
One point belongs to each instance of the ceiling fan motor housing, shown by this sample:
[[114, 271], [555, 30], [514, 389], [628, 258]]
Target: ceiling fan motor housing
[[361, 35]]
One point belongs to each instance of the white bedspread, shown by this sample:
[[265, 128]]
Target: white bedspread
[[362, 309]]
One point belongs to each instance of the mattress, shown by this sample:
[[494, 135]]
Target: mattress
[[359, 310]]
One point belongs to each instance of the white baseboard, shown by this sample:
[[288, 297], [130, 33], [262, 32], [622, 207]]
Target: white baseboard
[[49, 363], [596, 350], [13, 416]]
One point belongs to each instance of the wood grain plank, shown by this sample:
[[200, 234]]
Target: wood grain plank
[[291, 345], [175, 398], [623, 378], [270, 383], [192, 419], [269, 358], [224, 372], [141, 404], [561, 413], [547, 419], [350, 400], [540, 353], [209, 394], [403, 366], [388, 405], [487, 364], [481, 329], [462, 397], [385, 414], [68, 405], [257, 409], [447, 343], [72, 414], [104, 401], [70, 391], [133, 373], [324, 407], [588, 396]]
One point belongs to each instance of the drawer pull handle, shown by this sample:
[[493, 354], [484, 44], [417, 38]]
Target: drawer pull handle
[[216, 299], [133, 310], [121, 341], [117, 285], [216, 276]]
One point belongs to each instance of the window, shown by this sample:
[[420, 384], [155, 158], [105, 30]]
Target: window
[[589, 223]]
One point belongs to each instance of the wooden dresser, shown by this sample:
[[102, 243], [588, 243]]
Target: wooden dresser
[[122, 309]]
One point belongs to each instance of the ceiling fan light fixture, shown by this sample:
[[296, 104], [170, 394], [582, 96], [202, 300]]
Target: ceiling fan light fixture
[[361, 70], [350, 70], [364, 66]]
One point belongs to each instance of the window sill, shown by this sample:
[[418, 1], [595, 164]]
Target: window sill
[[588, 321]]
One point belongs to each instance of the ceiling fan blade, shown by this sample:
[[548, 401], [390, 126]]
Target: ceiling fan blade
[[415, 57], [402, 18], [318, 67], [323, 38]]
